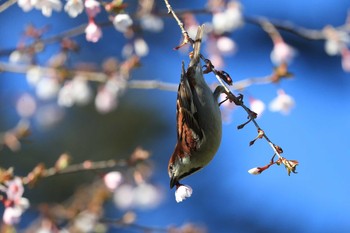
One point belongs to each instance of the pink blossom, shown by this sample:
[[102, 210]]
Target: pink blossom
[[12, 215], [112, 180], [15, 189], [282, 103], [92, 7], [282, 53], [182, 192], [105, 100], [226, 45], [93, 32]]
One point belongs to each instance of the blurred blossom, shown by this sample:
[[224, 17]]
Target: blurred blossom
[[47, 88], [12, 215], [49, 115], [19, 57], [65, 95], [33, 75], [82, 93], [336, 40], [26, 5], [74, 7], [86, 221], [282, 53], [182, 192], [93, 32], [124, 196], [147, 196], [76, 91], [345, 61], [122, 22], [151, 23], [17, 204], [228, 20], [105, 100], [257, 106], [92, 7], [282, 103], [46, 6], [333, 47], [26, 105], [112, 180], [225, 45], [15, 189], [141, 47]]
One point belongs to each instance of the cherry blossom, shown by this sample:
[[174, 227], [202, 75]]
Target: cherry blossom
[[76, 91], [33, 75], [15, 189], [225, 45], [105, 100], [122, 22], [228, 20], [141, 47], [12, 215], [74, 7], [282, 103], [254, 171], [182, 192], [47, 88], [112, 180], [93, 32], [92, 8], [26, 5], [46, 6], [282, 52]]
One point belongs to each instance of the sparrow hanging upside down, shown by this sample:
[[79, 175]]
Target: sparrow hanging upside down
[[198, 116]]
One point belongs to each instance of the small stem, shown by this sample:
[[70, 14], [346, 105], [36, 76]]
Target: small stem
[[181, 25]]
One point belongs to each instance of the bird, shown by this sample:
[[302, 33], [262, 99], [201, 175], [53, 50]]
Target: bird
[[198, 116]]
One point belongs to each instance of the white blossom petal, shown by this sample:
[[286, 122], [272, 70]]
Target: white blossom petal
[[182, 192], [74, 7], [112, 180], [122, 22], [282, 103]]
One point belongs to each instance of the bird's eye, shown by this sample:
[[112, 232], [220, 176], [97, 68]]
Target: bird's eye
[[170, 167]]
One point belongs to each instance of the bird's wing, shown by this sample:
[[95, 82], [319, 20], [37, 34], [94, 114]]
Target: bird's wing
[[189, 131]]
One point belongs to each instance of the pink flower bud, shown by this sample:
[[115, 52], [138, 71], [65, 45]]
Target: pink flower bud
[[93, 32], [254, 171]]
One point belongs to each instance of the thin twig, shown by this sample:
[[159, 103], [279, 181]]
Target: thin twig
[[85, 166], [6, 5]]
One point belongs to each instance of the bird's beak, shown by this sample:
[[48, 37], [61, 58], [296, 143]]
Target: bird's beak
[[173, 181]]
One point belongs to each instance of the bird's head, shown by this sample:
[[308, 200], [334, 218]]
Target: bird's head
[[179, 168]]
